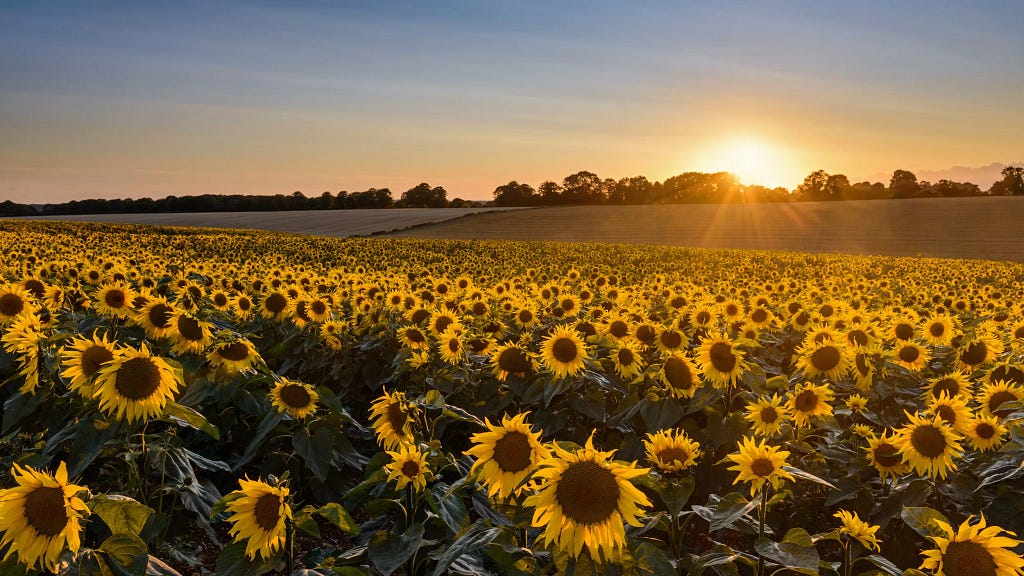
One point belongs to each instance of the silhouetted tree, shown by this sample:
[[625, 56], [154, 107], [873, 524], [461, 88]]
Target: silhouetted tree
[[814, 186], [903, 184], [1012, 183], [514, 194], [836, 187], [550, 193], [423, 196], [633, 190], [582, 188]]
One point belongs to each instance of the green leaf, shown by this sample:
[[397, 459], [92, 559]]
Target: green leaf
[[475, 538], [388, 551], [434, 399], [126, 554], [315, 450], [185, 416], [675, 493], [808, 476], [882, 563], [652, 560], [731, 508], [661, 414], [123, 515], [304, 521], [795, 552], [157, 567], [337, 515], [922, 520], [266, 425], [233, 562]]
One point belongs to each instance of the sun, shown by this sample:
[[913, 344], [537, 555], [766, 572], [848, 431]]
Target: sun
[[752, 159]]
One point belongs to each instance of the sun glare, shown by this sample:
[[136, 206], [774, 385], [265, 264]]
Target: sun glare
[[752, 160]]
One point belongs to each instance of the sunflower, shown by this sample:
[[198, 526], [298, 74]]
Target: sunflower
[[82, 358], [953, 411], [525, 317], [408, 466], [155, 317], [583, 499], [563, 352], [973, 549], [856, 403], [392, 420], [242, 306], [627, 359], [720, 362], [928, 445], [1012, 372], [189, 334], [135, 385], [993, 395], [234, 355], [759, 463], [296, 398], [450, 346], [679, 375], [14, 301], [767, 415], [671, 451], [809, 400], [954, 384], [703, 315], [979, 351], [276, 306], [442, 320], [23, 339], [828, 358], [618, 327], [258, 514], [671, 340], [413, 338], [985, 433], [911, 355], [220, 300], [858, 529], [41, 516], [939, 330], [506, 455], [114, 300], [508, 359], [884, 455]]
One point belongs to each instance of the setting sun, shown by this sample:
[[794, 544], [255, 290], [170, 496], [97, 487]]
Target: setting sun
[[753, 161]]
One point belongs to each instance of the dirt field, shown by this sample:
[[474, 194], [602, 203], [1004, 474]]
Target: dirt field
[[985, 228], [338, 223]]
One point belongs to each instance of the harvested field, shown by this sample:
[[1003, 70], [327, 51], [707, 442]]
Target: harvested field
[[337, 223], [986, 228]]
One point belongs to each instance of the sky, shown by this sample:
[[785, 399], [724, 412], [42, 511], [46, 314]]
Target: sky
[[134, 99]]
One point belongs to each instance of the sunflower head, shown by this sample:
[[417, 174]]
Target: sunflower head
[[258, 514], [82, 358], [759, 463], [809, 400], [721, 362], [408, 466], [563, 352], [392, 418], [928, 445], [858, 529], [234, 355], [135, 385], [296, 398], [767, 415], [975, 549], [985, 433], [671, 451], [510, 358], [679, 375], [827, 358], [506, 455]]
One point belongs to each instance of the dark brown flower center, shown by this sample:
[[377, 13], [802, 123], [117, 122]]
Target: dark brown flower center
[[160, 315], [115, 298], [887, 455], [904, 331], [11, 304], [984, 430], [525, 316], [236, 352], [759, 315], [806, 401], [968, 559], [997, 399], [267, 511], [454, 346], [673, 454], [586, 329], [861, 361], [769, 414], [928, 441], [513, 360], [276, 303], [946, 412], [419, 315], [220, 299], [587, 492], [618, 328], [93, 358], [948, 385], [397, 416], [318, 307], [825, 358], [564, 350], [45, 510], [703, 317], [974, 354], [137, 378], [671, 339], [512, 452], [625, 357], [442, 323], [722, 357], [35, 287], [645, 333], [410, 469], [857, 338], [1008, 373], [909, 354], [190, 329], [295, 396], [415, 336], [678, 374], [936, 329], [762, 467]]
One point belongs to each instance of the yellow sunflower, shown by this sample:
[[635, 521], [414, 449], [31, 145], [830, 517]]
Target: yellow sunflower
[[985, 433], [234, 355], [296, 398], [563, 352], [671, 340], [135, 385], [408, 466], [14, 301], [828, 358], [973, 549], [884, 455], [858, 529], [671, 451], [451, 347], [189, 334], [392, 420], [928, 445], [242, 306], [155, 317], [856, 403], [720, 361], [506, 455], [911, 355], [583, 499], [114, 300], [413, 338], [809, 400], [758, 463], [954, 384], [979, 351], [276, 306], [41, 516], [679, 375], [258, 514], [83, 358], [953, 411], [627, 358], [993, 395], [508, 359], [767, 415], [939, 330]]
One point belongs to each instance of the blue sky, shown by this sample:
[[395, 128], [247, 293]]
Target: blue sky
[[137, 99]]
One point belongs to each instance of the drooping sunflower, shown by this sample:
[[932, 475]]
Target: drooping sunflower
[[911, 355], [858, 529], [985, 433], [884, 455], [135, 385], [296, 398], [767, 415], [679, 375], [953, 411], [510, 358], [994, 394], [973, 549], [954, 384], [828, 358], [758, 463], [258, 515], [114, 300], [809, 400], [563, 352], [583, 499], [671, 451], [979, 351], [23, 338], [627, 359], [189, 334], [41, 516], [720, 361], [83, 358], [234, 355], [506, 455], [928, 445], [392, 420], [408, 466]]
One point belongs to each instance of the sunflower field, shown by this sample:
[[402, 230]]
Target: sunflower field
[[197, 402]]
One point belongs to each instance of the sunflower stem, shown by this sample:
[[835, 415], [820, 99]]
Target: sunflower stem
[[762, 512], [847, 554]]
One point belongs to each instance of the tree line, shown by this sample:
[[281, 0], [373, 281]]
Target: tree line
[[580, 188]]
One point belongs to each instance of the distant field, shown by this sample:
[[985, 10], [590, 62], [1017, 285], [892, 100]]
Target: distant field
[[985, 228], [337, 223]]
